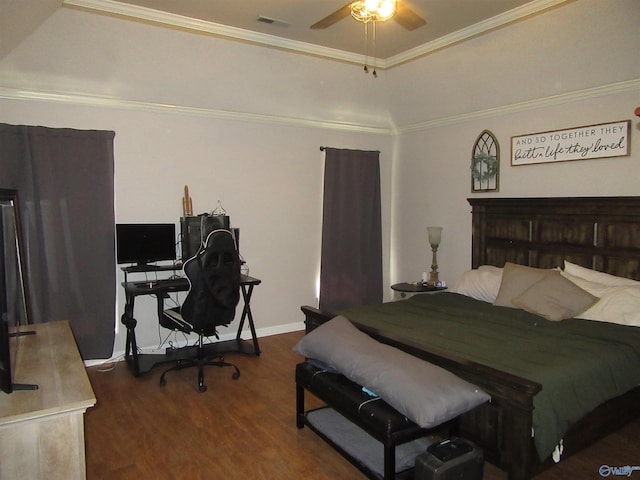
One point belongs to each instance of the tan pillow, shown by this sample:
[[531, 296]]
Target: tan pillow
[[555, 298], [515, 280]]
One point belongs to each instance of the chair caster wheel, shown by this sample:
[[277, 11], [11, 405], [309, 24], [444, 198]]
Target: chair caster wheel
[[163, 382], [201, 386], [236, 375]]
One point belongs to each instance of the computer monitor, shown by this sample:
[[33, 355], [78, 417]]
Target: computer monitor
[[143, 243]]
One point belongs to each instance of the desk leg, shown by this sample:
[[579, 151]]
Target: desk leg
[[246, 314]]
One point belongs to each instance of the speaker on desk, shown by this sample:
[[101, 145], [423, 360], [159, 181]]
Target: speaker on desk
[[451, 459], [194, 230]]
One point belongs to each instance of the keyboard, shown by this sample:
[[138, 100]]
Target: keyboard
[[168, 284], [173, 282]]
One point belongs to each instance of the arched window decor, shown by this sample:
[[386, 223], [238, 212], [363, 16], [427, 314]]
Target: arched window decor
[[485, 163]]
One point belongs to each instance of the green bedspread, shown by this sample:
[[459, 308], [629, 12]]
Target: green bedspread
[[579, 363]]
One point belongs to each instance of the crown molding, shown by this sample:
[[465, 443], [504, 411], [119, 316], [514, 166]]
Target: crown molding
[[506, 18], [107, 102], [585, 94], [116, 8], [112, 7]]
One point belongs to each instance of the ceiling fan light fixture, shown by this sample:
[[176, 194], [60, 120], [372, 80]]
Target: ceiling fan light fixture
[[373, 10]]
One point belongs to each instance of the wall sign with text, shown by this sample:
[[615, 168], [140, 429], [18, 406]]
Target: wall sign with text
[[582, 143]]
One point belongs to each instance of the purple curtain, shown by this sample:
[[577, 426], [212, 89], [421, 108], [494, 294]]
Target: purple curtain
[[65, 181], [351, 262]]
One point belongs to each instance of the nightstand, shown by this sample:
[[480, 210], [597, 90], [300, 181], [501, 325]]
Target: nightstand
[[402, 291]]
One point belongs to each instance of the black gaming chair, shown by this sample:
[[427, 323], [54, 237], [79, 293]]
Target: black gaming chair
[[214, 292]]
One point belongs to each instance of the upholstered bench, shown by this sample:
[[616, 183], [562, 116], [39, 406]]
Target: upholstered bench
[[409, 396], [370, 413]]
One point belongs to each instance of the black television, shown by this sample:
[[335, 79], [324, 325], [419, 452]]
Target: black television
[[14, 301], [143, 243]]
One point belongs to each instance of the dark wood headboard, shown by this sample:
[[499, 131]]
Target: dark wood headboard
[[602, 233]]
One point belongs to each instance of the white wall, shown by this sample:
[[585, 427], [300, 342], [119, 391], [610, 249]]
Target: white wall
[[243, 124], [268, 178], [111, 59], [572, 66], [236, 123], [432, 178]]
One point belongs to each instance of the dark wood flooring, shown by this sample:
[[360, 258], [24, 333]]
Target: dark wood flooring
[[245, 428]]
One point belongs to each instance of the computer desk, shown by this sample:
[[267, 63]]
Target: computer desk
[[144, 362]]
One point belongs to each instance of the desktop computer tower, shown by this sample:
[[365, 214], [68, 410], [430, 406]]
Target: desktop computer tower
[[194, 231], [451, 459]]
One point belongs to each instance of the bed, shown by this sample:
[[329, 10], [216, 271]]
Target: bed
[[599, 234]]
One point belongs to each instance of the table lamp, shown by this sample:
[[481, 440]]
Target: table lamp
[[435, 235]]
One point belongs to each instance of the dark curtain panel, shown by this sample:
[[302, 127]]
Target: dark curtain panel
[[65, 181], [351, 262]]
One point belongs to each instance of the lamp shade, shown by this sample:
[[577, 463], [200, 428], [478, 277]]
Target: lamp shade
[[435, 235]]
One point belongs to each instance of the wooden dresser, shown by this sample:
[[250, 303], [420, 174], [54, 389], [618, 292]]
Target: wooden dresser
[[42, 431]]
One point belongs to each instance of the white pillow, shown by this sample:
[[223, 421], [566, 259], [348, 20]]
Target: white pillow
[[482, 283], [594, 288], [618, 303], [598, 277]]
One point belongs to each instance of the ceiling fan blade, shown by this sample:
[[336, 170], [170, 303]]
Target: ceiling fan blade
[[333, 18], [407, 17]]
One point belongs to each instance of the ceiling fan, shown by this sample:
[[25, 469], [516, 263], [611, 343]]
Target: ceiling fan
[[404, 16]]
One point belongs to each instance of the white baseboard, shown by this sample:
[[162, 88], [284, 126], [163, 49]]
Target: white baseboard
[[118, 355]]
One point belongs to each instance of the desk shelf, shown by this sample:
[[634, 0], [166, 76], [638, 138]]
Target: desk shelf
[[147, 361], [174, 267]]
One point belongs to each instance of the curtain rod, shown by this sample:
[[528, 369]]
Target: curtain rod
[[322, 149]]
